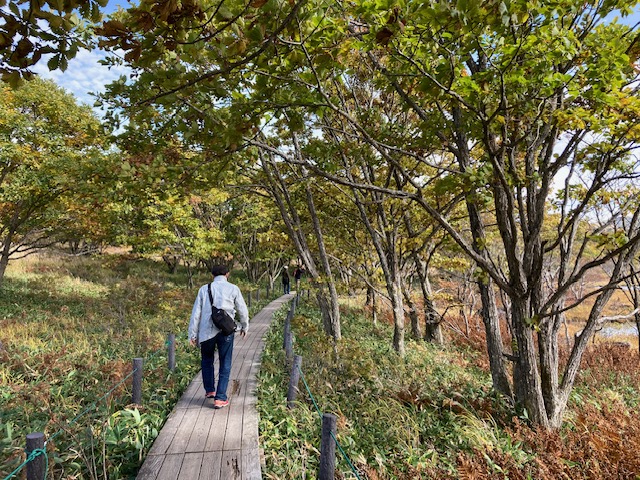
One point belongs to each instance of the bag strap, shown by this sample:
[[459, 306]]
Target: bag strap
[[210, 296]]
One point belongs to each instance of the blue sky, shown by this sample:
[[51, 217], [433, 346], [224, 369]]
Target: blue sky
[[85, 75]]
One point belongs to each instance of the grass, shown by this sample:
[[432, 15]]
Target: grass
[[432, 415], [70, 328]]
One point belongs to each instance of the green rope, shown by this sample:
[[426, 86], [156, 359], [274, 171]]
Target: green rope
[[353, 469], [309, 391], [34, 453]]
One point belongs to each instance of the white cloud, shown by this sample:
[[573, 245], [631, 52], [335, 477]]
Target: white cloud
[[83, 76]]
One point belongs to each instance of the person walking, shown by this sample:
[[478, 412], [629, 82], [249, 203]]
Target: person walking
[[203, 332], [285, 280]]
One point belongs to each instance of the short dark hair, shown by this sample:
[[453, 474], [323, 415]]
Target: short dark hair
[[219, 270]]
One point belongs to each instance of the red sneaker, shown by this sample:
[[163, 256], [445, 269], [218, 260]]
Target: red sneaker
[[220, 403], [210, 395]]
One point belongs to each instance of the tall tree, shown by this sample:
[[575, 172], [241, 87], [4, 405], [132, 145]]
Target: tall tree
[[518, 96], [50, 150], [515, 96], [320, 276]]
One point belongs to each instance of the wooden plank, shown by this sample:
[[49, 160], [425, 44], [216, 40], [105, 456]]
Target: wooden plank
[[215, 440], [151, 468], [198, 439], [193, 395], [182, 436], [250, 428], [231, 467], [251, 464], [211, 463], [171, 467], [165, 437], [191, 466], [233, 432]]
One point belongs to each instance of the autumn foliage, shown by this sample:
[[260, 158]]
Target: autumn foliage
[[600, 439]]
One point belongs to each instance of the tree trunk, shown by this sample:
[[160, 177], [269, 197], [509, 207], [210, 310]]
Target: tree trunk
[[329, 307], [526, 375], [4, 256], [413, 313], [374, 308], [331, 312], [432, 320], [637, 318], [398, 316], [495, 348]]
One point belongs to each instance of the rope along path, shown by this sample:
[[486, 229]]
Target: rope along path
[[315, 404]]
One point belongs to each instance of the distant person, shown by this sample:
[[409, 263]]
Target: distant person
[[285, 280], [297, 275], [227, 297]]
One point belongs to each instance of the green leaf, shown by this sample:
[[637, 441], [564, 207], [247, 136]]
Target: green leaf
[[54, 62], [225, 13]]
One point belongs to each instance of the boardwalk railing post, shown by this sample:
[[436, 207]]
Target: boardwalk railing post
[[249, 299], [294, 379], [136, 397], [172, 351], [268, 292], [328, 447], [288, 345], [287, 330], [36, 467], [258, 294]]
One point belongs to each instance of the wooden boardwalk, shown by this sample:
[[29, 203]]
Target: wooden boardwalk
[[198, 442]]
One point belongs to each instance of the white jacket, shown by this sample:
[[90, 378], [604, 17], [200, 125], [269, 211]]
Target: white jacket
[[226, 296]]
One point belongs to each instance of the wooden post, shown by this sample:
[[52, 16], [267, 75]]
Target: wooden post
[[258, 294], [172, 351], [37, 466], [328, 447], [268, 292], [136, 397], [288, 345], [287, 329], [294, 379], [249, 299]]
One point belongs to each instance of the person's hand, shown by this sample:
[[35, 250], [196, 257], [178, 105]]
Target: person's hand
[[193, 342], [243, 333]]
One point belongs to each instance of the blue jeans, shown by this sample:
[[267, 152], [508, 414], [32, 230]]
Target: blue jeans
[[225, 353], [285, 288]]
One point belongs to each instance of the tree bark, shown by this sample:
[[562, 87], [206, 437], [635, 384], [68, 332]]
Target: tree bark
[[526, 375], [432, 320], [413, 313], [6, 252]]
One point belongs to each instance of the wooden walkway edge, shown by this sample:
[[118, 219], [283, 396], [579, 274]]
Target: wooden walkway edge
[[198, 442]]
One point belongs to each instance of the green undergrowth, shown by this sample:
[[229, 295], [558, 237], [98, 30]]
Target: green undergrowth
[[397, 418], [69, 330]]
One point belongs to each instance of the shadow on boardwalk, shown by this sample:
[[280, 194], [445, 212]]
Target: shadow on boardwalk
[[198, 442]]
